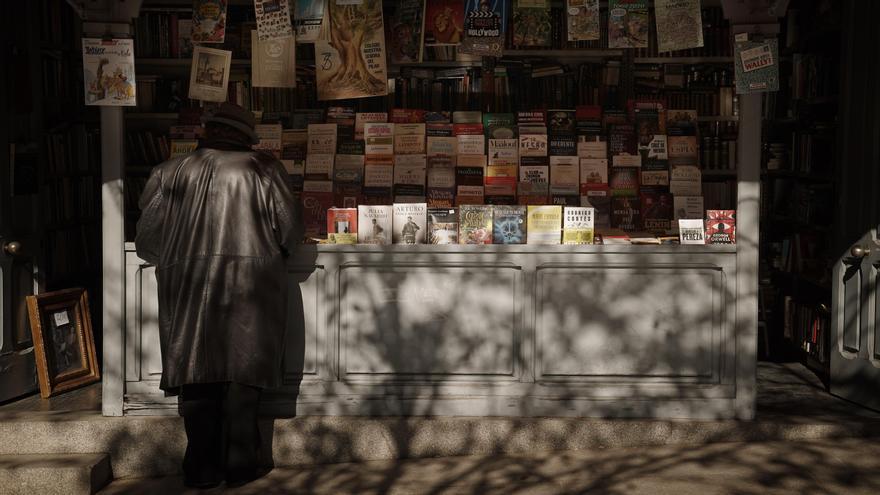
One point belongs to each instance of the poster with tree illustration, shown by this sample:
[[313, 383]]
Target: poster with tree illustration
[[351, 63]]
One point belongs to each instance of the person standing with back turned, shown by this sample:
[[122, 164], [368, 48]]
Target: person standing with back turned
[[218, 224]]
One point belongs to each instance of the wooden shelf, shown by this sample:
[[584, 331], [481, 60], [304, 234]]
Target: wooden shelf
[[792, 174], [718, 118], [684, 60]]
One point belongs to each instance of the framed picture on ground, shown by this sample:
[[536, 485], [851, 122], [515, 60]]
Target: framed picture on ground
[[64, 346]]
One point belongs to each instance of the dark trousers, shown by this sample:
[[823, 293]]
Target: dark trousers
[[221, 430]]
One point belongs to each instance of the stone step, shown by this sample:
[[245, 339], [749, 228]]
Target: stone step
[[144, 446], [50, 474]]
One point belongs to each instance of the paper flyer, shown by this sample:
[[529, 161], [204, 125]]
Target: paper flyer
[[582, 17], [308, 17], [627, 24], [351, 63], [209, 75], [209, 21], [273, 19], [679, 24], [405, 32], [108, 72], [484, 26], [273, 63]]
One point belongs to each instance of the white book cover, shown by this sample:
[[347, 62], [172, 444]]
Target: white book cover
[[654, 178], [378, 175], [594, 171], [533, 145], [379, 138], [626, 161], [374, 224], [690, 231], [362, 118], [471, 161], [410, 221], [410, 174], [319, 166], [503, 152], [270, 138], [108, 71], [469, 144], [578, 224], [564, 175], [408, 140], [273, 20], [441, 175], [592, 149], [442, 145], [688, 207], [209, 75], [322, 138], [273, 62]]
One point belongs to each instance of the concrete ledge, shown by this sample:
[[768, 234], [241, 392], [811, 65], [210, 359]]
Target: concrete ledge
[[50, 474], [153, 446]]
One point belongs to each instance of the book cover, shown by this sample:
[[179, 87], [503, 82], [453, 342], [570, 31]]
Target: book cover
[[378, 138], [501, 180], [378, 177], [484, 25], [503, 152], [471, 161], [600, 201], [209, 21], [582, 20], [654, 179], [624, 181], [756, 65], [438, 129], [322, 138], [681, 122], [509, 224], [685, 180], [374, 224], [270, 139], [578, 225], [564, 175], [562, 146], [273, 63], [561, 122], [410, 223], [409, 139], [440, 180], [184, 38], [469, 176], [406, 116], [468, 117], [679, 24], [627, 24], [499, 125], [654, 154], [534, 184], [469, 195], [319, 166], [363, 117], [181, 147], [409, 175], [308, 19], [273, 19], [209, 76], [622, 140], [688, 207], [108, 72], [544, 224], [626, 213], [594, 174], [469, 144], [690, 231], [444, 22], [342, 225], [657, 211], [440, 198], [532, 23], [720, 226], [531, 117], [351, 64], [317, 198], [532, 145], [442, 226], [441, 145], [475, 224], [406, 32], [592, 149]]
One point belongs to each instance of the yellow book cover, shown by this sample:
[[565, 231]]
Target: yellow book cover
[[544, 224]]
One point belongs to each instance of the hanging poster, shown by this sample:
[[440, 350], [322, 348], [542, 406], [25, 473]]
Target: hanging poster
[[273, 63], [755, 65], [484, 25], [405, 32], [108, 72], [209, 21], [532, 23], [627, 24], [679, 24], [209, 74], [583, 20], [308, 17], [273, 19], [444, 22], [351, 64]]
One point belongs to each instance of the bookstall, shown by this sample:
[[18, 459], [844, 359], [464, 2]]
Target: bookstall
[[526, 210]]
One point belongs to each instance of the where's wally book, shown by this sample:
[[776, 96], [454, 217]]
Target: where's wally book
[[209, 21], [720, 227], [108, 72], [374, 224]]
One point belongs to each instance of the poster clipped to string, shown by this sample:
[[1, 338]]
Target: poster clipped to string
[[108, 72]]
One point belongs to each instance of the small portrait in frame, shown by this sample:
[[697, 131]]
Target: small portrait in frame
[[64, 346]]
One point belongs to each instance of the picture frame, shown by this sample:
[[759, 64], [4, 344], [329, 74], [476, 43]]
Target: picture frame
[[64, 346]]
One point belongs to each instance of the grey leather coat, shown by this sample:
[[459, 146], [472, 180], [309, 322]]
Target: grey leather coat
[[218, 224]]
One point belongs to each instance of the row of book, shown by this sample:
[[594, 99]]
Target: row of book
[[416, 223], [73, 150], [145, 148], [69, 199], [808, 326]]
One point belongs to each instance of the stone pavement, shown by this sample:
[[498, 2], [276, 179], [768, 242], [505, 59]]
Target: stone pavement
[[829, 466]]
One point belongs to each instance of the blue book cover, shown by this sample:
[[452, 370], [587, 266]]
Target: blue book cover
[[509, 224]]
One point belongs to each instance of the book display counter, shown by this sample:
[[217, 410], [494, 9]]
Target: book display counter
[[592, 148], [613, 330]]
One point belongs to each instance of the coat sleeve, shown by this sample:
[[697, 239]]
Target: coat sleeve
[[285, 209], [152, 204]]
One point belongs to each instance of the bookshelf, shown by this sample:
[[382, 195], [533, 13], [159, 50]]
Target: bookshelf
[[799, 188]]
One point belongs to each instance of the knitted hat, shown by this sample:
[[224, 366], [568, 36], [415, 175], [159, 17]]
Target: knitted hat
[[234, 116]]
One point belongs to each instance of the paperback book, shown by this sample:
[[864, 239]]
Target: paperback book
[[484, 26], [342, 225], [374, 224], [721, 227], [442, 226], [209, 21], [475, 224], [410, 223], [627, 24], [544, 224], [308, 19], [690, 231], [209, 75], [509, 224], [679, 24], [578, 225], [626, 213], [444, 22], [273, 19], [108, 72], [582, 20], [406, 32]]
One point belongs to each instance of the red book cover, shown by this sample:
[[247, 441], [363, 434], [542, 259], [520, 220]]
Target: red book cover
[[315, 206], [406, 116], [342, 221], [720, 226], [467, 129]]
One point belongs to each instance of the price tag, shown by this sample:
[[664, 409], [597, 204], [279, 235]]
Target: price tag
[[61, 318]]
